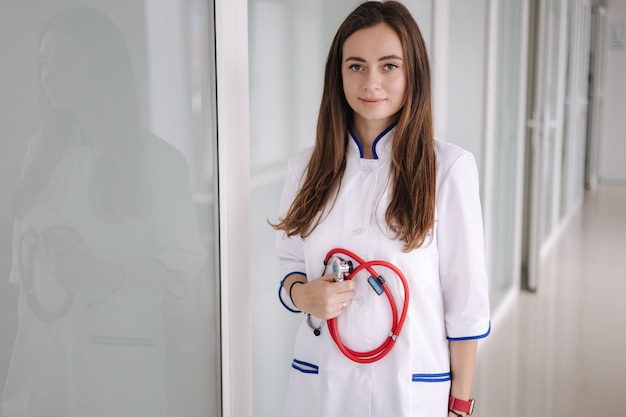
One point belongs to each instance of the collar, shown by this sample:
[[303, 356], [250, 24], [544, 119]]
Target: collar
[[381, 147]]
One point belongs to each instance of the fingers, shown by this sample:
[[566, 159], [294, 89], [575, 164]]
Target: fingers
[[325, 298], [337, 290], [343, 306], [339, 286]]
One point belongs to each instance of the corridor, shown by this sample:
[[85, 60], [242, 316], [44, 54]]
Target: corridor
[[567, 341]]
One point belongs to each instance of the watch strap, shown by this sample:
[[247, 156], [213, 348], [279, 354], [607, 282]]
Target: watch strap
[[461, 405]]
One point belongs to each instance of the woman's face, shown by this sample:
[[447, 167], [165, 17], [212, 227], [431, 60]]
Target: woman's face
[[64, 71], [374, 76]]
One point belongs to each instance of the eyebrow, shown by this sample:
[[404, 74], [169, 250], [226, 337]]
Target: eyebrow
[[382, 58]]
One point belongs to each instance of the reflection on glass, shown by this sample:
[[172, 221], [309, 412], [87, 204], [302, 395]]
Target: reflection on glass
[[104, 230]]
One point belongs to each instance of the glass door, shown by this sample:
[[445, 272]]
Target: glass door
[[504, 181], [596, 96], [546, 101], [577, 109], [109, 278]]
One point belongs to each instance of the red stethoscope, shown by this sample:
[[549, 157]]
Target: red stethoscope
[[346, 270], [26, 262]]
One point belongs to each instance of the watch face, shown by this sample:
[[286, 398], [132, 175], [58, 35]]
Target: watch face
[[471, 407]]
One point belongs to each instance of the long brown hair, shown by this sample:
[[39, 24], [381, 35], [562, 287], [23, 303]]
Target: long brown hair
[[411, 212]]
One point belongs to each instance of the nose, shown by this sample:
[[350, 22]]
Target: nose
[[49, 76], [46, 77], [373, 80]]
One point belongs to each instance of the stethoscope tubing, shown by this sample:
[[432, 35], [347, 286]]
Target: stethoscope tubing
[[25, 267], [397, 322]]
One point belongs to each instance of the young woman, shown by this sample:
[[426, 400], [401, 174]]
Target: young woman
[[380, 187]]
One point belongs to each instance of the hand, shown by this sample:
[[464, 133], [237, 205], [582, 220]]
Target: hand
[[70, 271], [79, 270], [323, 297]]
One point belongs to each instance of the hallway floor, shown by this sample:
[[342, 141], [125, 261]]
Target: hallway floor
[[567, 342]]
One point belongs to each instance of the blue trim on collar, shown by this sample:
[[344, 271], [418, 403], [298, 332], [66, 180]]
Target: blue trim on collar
[[378, 138], [358, 144]]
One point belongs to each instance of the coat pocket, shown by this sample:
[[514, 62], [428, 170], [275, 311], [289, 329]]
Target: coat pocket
[[305, 367], [429, 394], [442, 377], [303, 397]]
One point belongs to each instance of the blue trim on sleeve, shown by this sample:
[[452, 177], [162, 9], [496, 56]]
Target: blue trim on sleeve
[[431, 377], [452, 339], [280, 287], [290, 274]]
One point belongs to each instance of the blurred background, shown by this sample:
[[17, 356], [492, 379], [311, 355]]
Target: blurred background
[[226, 91]]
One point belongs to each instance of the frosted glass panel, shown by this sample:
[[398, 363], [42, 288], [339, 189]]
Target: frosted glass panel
[[108, 267]]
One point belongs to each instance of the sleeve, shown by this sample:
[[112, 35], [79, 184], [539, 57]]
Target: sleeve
[[178, 243], [289, 251], [460, 236], [15, 277]]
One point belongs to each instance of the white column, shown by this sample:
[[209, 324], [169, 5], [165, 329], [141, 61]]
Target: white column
[[231, 25]]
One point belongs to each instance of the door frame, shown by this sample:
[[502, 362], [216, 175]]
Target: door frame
[[231, 38]]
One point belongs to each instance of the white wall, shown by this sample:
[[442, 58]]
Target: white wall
[[613, 146], [466, 67]]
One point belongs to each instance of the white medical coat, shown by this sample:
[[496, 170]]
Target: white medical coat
[[447, 283]]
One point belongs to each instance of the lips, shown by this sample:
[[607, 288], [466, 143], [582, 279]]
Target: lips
[[371, 101], [53, 91]]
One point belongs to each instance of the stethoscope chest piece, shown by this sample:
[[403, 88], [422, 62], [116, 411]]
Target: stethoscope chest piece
[[341, 268]]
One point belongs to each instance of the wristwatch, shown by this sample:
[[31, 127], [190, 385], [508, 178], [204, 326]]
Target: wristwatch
[[466, 407]]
